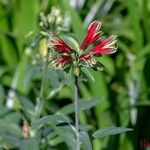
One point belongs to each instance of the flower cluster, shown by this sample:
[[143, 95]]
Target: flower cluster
[[85, 55], [55, 21]]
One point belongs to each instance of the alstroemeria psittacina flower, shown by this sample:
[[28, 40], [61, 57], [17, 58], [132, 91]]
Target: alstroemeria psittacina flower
[[83, 57]]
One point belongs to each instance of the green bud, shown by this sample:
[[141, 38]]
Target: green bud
[[43, 47], [76, 71]]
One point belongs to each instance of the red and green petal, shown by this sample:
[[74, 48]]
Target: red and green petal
[[108, 46], [61, 61], [85, 57], [93, 34], [88, 59], [59, 45]]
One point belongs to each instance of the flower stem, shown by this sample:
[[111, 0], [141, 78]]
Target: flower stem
[[41, 98], [76, 106]]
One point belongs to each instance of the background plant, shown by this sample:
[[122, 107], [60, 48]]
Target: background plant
[[124, 88]]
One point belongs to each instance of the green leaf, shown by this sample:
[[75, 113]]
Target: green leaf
[[26, 104], [87, 73], [83, 105], [10, 128], [55, 78], [85, 139], [145, 16], [67, 137], [110, 131], [143, 52], [1, 93], [29, 144], [3, 111], [70, 126], [51, 119], [11, 140], [13, 117], [30, 74], [135, 23]]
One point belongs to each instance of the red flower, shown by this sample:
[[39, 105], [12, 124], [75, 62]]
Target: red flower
[[106, 47], [61, 60], [93, 35], [60, 45]]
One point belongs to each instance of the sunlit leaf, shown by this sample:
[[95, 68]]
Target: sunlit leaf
[[51, 119], [67, 137], [110, 131], [83, 105], [85, 139], [71, 126]]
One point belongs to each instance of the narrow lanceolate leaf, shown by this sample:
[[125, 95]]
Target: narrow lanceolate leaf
[[26, 105], [67, 137], [83, 105], [30, 74], [27, 144], [85, 139], [87, 73], [70, 126], [51, 119], [110, 131]]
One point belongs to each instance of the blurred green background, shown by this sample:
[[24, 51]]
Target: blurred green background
[[124, 88]]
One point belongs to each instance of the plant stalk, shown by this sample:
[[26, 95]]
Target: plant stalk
[[76, 107], [41, 98]]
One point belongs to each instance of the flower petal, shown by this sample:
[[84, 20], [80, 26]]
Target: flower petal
[[88, 59], [85, 57], [93, 34], [59, 45], [61, 61], [105, 47]]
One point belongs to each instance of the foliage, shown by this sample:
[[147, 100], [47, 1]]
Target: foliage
[[119, 96]]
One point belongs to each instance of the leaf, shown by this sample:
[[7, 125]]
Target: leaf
[[13, 117], [29, 144], [83, 105], [52, 119], [26, 104], [11, 140], [87, 73], [10, 128], [143, 52], [67, 137], [3, 111], [85, 139], [1, 93], [55, 78], [27, 21], [55, 91], [110, 131], [8, 52], [30, 74], [145, 13], [135, 23], [70, 126], [94, 10]]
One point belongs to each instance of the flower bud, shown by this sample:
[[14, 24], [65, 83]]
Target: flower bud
[[76, 71]]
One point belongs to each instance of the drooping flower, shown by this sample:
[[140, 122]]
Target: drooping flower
[[83, 57]]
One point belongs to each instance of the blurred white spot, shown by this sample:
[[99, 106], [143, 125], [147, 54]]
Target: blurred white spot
[[10, 99]]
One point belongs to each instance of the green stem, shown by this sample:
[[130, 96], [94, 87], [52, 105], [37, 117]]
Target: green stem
[[41, 96], [76, 106]]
